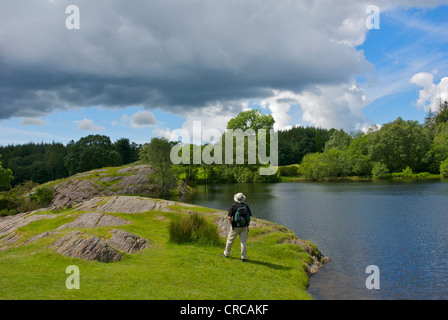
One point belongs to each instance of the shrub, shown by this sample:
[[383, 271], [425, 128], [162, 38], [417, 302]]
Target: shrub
[[43, 196], [407, 173], [245, 175], [16, 200], [423, 175], [444, 168], [288, 171], [379, 170], [194, 228]]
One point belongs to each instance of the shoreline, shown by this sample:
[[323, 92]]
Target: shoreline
[[361, 179]]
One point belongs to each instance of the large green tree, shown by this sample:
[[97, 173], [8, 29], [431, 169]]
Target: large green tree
[[400, 144], [439, 146], [358, 156], [251, 119], [91, 152], [127, 150]]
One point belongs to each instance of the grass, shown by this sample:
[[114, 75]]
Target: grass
[[164, 270]]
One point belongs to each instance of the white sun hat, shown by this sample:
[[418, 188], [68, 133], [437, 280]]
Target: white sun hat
[[239, 197]]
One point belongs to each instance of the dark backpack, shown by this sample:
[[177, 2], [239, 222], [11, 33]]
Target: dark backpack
[[242, 217]]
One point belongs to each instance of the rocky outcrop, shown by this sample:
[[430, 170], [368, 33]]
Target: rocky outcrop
[[79, 245], [135, 180], [94, 220], [127, 180], [319, 260], [10, 239], [11, 223], [127, 242], [74, 191], [126, 204]]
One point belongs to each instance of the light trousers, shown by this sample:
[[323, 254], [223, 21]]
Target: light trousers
[[233, 233]]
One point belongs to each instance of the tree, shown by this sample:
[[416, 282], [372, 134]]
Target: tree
[[157, 154], [444, 168], [128, 151], [252, 119], [430, 119], [329, 164], [442, 114], [379, 170], [54, 161], [358, 156], [439, 145], [250, 123], [91, 152], [310, 168], [295, 143], [339, 140], [335, 163], [5, 177], [40, 162], [400, 144]]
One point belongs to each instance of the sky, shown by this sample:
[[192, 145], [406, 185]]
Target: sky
[[143, 69]]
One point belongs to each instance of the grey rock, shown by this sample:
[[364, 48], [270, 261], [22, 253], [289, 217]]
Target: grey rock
[[124, 204], [127, 242], [11, 223], [79, 245], [41, 235], [128, 180], [319, 260], [94, 220], [74, 191]]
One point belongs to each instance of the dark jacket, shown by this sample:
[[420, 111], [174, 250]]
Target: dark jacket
[[233, 209]]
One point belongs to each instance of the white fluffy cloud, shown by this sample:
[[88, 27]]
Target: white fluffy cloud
[[279, 105], [143, 119], [334, 106], [431, 93], [89, 125], [328, 106]]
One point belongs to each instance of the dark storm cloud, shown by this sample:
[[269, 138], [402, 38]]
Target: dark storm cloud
[[175, 55]]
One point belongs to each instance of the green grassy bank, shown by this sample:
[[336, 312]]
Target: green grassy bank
[[164, 270]]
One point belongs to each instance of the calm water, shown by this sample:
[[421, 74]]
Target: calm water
[[401, 227]]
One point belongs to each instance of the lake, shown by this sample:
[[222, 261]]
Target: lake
[[399, 226]]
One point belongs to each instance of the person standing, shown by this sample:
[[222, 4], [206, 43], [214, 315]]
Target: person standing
[[239, 216]]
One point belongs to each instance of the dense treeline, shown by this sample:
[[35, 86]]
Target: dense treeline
[[400, 147], [295, 143], [39, 162], [42, 162]]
